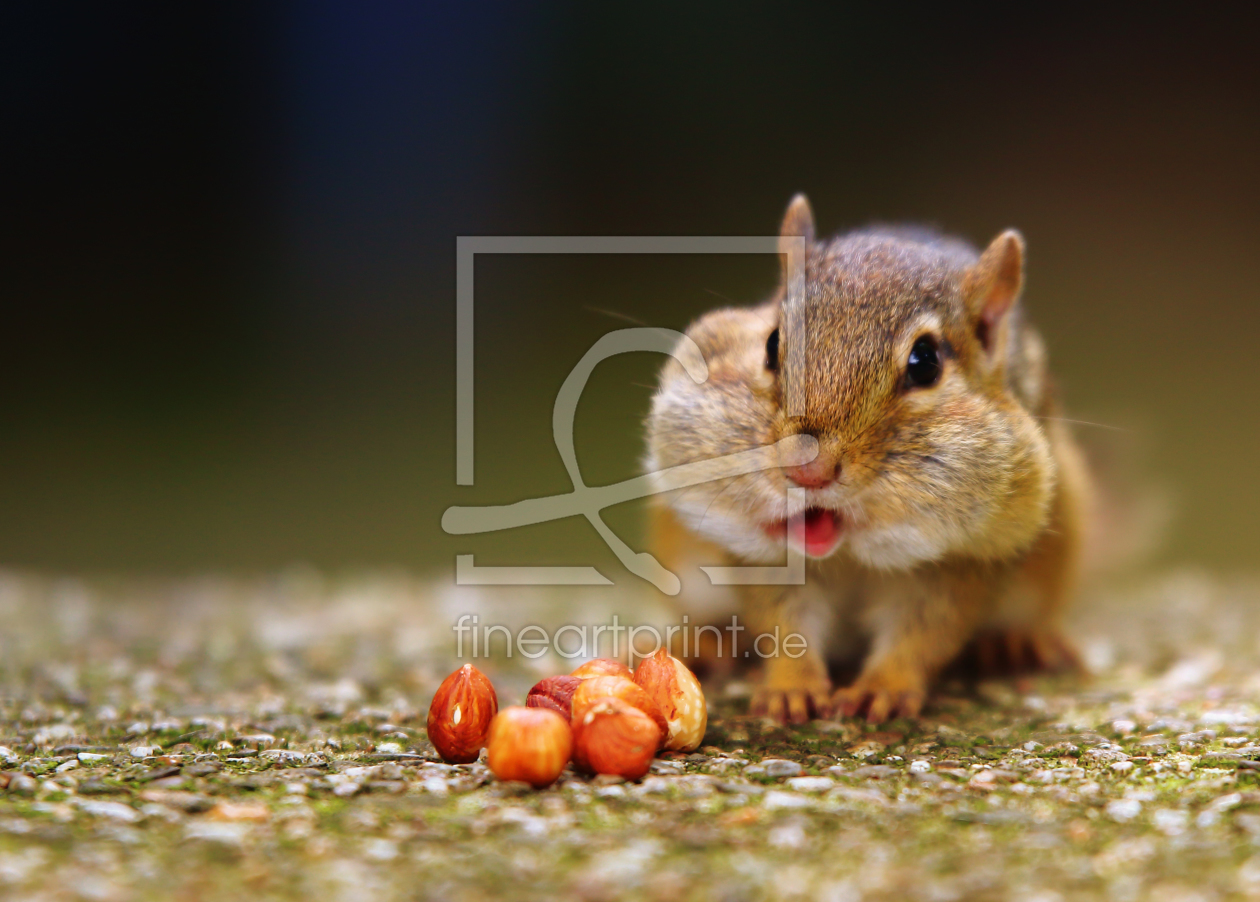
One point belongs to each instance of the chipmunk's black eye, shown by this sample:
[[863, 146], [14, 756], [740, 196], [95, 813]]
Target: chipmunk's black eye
[[923, 367], [772, 352]]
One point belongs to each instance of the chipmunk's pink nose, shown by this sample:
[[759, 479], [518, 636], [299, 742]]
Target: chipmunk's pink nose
[[819, 472]]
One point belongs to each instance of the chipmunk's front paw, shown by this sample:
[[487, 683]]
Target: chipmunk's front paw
[[881, 696], [792, 705]]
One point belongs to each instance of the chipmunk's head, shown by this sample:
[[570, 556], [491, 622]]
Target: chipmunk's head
[[903, 354]]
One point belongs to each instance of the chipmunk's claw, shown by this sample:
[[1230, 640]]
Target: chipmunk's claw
[[1016, 650], [879, 702], [797, 705]]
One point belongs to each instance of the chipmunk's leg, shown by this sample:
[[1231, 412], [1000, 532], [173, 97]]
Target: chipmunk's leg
[[916, 633], [1027, 634], [795, 686]]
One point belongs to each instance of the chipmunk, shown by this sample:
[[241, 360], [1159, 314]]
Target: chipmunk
[[946, 501]]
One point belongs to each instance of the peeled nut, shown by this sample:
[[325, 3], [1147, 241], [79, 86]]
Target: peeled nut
[[529, 744], [677, 691], [603, 667], [597, 688], [460, 715], [612, 737], [554, 692]]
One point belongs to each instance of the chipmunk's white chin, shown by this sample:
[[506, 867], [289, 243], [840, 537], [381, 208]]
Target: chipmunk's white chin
[[818, 531]]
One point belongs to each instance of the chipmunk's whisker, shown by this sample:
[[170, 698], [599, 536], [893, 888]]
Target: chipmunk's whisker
[[1086, 423], [625, 317]]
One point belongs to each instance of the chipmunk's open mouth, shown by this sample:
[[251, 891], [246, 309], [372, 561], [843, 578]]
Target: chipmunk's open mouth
[[821, 530]]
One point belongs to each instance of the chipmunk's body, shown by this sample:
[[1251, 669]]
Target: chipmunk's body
[[944, 504]]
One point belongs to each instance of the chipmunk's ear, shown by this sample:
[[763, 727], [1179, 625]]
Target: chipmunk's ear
[[993, 284], [798, 222]]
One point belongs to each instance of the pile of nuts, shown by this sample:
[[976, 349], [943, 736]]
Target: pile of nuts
[[603, 717]]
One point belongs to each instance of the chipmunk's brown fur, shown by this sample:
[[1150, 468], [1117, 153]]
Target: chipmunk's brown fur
[[958, 504]]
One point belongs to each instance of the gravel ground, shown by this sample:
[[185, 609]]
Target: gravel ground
[[217, 738]]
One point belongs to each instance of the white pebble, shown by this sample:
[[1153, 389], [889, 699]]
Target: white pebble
[[777, 799], [1123, 810], [810, 784], [232, 834], [787, 836], [380, 850], [115, 811]]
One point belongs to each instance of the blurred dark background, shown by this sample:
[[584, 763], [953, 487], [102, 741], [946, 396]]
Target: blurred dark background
[[229, 247]]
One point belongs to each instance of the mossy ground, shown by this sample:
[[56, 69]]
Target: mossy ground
[[220, 740]]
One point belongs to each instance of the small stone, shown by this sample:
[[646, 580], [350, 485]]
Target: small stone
[[920, 766], [729, 786], [380, 850], [187, 802], [1123, 727], [790, 835], [240, 811], [1123, 810], [739, 817], [1170, 821], [389, 748], [144, 751], [23, 784], [781, 767], [777, 799], [232, 834], [1249, 822], [92, 757], [810, 784], [655, 786], [8, 756], [55, 733], [876, 772], [258, 739], [115, 811], [284, 756], [1122, 767], [349, 788]]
